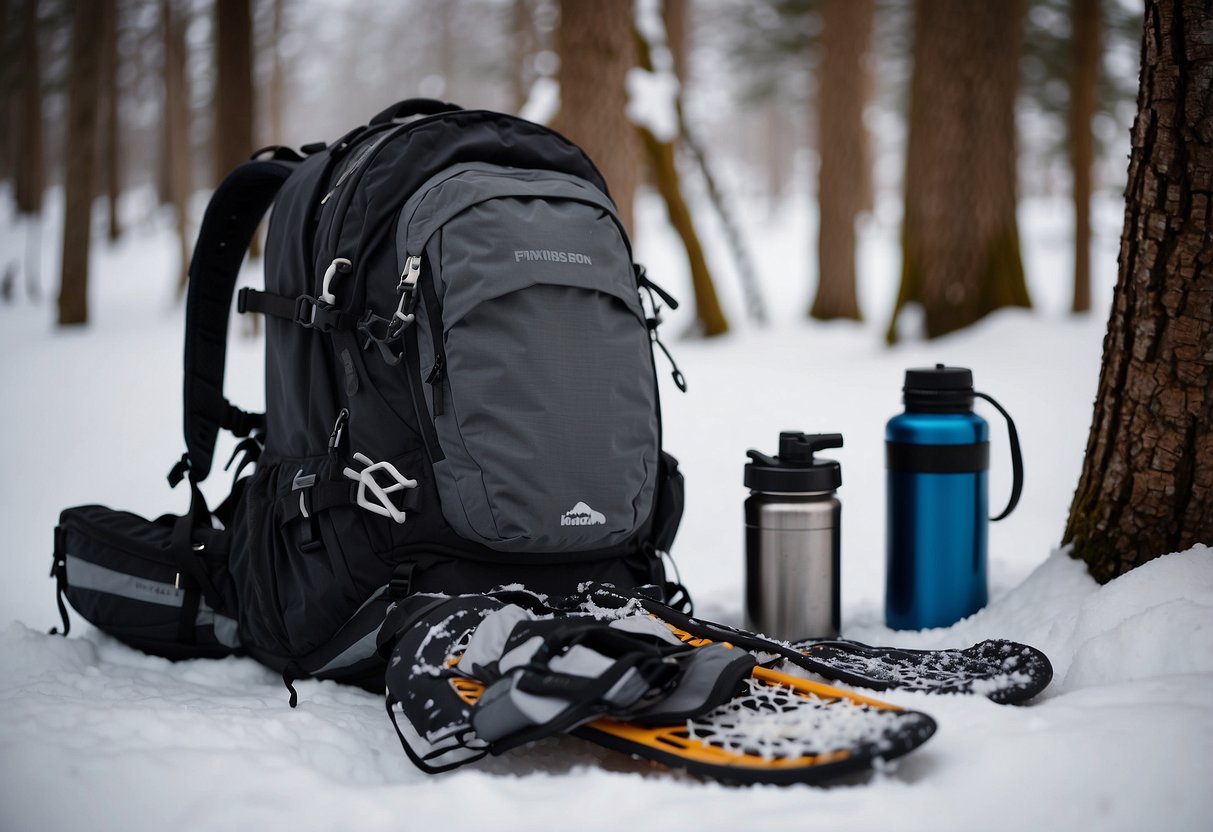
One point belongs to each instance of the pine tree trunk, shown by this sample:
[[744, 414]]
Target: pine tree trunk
[[84, 88], [597, 46], [960, 238], [233, 130], [522, 51], [110, 127], [842, 146], [675, 14], [708, 313], [1147, 482], [8, 96], [31, 165], [178, 155], [276, 97], [1084, 81]]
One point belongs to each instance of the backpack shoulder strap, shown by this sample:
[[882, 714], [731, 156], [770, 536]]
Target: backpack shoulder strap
[[231, 219]]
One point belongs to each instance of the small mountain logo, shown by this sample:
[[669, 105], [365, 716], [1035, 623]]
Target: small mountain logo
[[582, 515]]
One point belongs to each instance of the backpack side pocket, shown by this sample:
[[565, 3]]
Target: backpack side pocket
[[118, 570]]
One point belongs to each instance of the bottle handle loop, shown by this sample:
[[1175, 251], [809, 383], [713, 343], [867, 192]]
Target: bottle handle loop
[[1016, 458]]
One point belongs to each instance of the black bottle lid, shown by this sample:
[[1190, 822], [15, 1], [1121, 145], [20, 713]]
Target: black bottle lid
[[795, 470], [938, 389]]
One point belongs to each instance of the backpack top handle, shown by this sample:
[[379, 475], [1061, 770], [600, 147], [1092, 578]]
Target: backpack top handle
[[414, 107]]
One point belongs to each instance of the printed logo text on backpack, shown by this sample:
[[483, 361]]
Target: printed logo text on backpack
[[583, 515]]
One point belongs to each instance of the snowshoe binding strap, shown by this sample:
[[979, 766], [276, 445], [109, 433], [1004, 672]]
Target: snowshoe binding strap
[[480, 674]]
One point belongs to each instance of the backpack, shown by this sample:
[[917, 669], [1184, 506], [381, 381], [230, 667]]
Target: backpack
[[461, 394]]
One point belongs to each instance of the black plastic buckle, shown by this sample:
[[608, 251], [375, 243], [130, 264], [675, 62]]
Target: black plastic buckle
[[401, 584], [178, 472], [306, 308], [371, 325]]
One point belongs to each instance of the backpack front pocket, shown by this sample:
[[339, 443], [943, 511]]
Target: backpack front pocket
[[544, 400]]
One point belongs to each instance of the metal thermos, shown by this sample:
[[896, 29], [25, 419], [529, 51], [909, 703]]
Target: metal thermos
[[937, 455], [792, 539]]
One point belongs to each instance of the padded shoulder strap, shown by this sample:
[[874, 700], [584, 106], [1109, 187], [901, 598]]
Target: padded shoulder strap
[[231, 219]]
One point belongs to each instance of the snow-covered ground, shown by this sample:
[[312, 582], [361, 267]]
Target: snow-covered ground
[[96, 736]]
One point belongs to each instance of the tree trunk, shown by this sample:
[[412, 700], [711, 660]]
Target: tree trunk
[[597, 47], [675, 14], [522, 52], [81, 149], [1147, 482], [178, 155], [233, 130], [31, 166], [960, 238], [1084, 81], [276, 96], [842, 146], [8, 95], [110, 127], [708, 312]]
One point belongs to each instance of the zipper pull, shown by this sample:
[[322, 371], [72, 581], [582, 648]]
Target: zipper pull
[[645, 282], [434, 379], [679, 379]]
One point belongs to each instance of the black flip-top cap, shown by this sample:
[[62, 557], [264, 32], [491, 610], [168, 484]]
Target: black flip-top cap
[[795, 470], [939, 388]]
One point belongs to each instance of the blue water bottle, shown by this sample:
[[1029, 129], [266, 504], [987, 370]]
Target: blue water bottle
[[937, 456]]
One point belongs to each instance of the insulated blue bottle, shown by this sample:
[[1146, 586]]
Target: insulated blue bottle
[[937, 457]]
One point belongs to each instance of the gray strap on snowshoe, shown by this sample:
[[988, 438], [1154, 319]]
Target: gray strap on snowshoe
[[542, 671]]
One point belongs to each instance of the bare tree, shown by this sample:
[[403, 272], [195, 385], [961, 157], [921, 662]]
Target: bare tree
[[8, 94], [31, 168], [234, 125], [276, 96], [1147, 481], [523, 45], [662, 154], [1085, 27], [843, 148], [110, 125], [80, 156], [597, 47], [177, 154], [960, 237]]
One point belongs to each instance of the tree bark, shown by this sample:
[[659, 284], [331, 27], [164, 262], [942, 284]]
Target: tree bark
[[276, 96], [522, 52], [597, 46], [1147, 481], [81, 150], [842, 147], [233, 130], [1084, 81], [675, 14], [960, 238], [8, 96], [31, 166], [178, 154], [708, 312], [110, 126]]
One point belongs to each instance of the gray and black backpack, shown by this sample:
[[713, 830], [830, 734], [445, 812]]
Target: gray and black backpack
[[460, 394]]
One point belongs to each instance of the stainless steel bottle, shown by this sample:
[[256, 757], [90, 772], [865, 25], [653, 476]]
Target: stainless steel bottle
[[792, 539]]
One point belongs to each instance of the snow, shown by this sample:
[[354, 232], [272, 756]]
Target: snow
[[95, 735]]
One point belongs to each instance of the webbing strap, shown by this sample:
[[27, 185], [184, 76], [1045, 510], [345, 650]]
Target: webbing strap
[[231, 219], [267, 303]]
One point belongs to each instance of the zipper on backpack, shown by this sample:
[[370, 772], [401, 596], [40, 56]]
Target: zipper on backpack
[[438, 371], [434, 379]]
